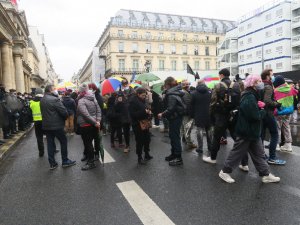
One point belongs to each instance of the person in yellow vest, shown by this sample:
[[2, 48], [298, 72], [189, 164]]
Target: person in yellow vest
[[37, 119]]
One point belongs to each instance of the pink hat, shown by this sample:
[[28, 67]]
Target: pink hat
[[251, 80]]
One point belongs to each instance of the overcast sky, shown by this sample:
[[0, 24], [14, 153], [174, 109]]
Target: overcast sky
[[72, 27]]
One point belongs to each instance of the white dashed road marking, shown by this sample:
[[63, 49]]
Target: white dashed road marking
[[108, 158], [145, 208]]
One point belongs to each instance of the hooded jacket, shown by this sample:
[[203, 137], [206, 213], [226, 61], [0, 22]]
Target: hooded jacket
[[200, 102], [70, 105], [250, 116], [284, 94], [175, 107], [88, 110]]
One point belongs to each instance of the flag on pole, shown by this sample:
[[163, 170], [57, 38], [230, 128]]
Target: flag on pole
[[189, 70]]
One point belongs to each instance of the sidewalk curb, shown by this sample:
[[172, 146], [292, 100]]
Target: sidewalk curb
[[10, 144]]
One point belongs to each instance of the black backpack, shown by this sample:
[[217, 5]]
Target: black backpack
[[231, 98]]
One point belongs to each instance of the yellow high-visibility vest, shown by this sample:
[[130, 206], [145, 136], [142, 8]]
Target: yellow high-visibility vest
[[36, 110]]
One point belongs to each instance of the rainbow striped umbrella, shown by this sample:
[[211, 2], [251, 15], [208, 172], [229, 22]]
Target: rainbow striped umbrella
[[211, 80], [134, 85], [110, 85]]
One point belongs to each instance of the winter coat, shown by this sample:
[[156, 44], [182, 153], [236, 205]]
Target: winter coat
[[70, 105], [113, 117], [250, 117], [156, 104], [99, 100], [200, 102], [284, 94], [122, 109], [268, 98], [13, 103], [187, 98], [175, 107], [4, 113], [218, 97], [54, 113], [88, 111], [137, 110]]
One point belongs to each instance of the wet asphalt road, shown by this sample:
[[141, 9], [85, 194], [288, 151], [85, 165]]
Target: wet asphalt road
[[190, 194]]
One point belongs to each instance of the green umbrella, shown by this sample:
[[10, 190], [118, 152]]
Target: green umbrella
[[147, 77], [157, 88]]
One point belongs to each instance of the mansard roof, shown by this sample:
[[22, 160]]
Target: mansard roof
[[136, 19]]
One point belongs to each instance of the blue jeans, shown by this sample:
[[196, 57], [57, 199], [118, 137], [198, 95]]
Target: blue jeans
[[61, 136], [174, 134], [270, 123]]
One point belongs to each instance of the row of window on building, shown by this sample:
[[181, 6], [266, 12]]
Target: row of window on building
[[162, 65], [268, 17], [258, 54], [161, 49], [268, 34], [249, 70], [148, 35]]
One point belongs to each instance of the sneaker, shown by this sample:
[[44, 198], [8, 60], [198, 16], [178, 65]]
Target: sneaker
[[142, 161], [244, 168], [200, 151], [176, 162], [126, 149], [68, 163], [270, 179], [155, 126], [148, 157], [170, 157], [84, 158], [226, 177], [278, 148], [209, 160], [287, 147], [54, 166], [276, 162], [88, 166]]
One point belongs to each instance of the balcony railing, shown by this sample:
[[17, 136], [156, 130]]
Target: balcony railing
[[159, 38]]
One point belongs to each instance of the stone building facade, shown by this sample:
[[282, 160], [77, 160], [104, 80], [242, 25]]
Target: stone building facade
[[20, 61], [134, 40]]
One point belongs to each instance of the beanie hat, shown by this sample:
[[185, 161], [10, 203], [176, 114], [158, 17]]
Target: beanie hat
[[225, 72], [83, 88], [279, 80], [39, 92]]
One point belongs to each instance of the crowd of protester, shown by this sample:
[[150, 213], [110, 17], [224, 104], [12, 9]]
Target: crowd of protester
[[244, 108], [15, 113]]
